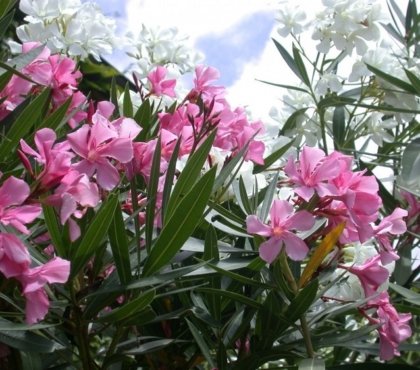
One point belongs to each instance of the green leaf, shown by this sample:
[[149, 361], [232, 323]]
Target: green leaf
[[6, 6], [339, 127], [169, 179], [392, 80], [237, 297], [12, 326], [54, 120], [181, 223], [127, 104], [289, 60], [301, 303], [407, 294], [292, 120], [5, 23], [301, 66], [130, 308], [414, 80], [28, 341], [273, 157], [4, 79], [152, 190], [94, 235], [55, 230], [409, 177], [151, 346], [242, 196], [23, 124], [190, 174], [288, 87], [119, 246], [205, 350]]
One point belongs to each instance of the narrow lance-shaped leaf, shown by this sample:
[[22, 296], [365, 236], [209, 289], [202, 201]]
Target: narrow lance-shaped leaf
[[182, 222], [94, 235], [23, 124], [190, 174], [289, 60], [339, 127], [391, 79], [119, 246], [321, 251], [273, 157], [54, 230]]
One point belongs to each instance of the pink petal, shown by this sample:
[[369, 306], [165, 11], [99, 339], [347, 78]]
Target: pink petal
[[37, 305], [270, 249], [255, 226], [13, 192], [119, 149], [279, 212], [301, 220], [296, 248], [107, 175], [79, 140]]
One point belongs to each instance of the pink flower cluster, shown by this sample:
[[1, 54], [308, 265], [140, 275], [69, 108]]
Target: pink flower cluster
[[327, 187], [54, 71], [15, 259]]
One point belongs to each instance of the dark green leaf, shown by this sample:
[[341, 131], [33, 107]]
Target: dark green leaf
[[392, 79], [127, 104], [54, 120], [273, 157], [119, 246], [301, 66], [289, 60], [28, 341], [5, 22], [232, 296], [23, 124], [301, 303], [292, 120], [55, 230], [372, 366], [190, 174], [205, 350], [94, 235], [414, 80], [288, 87], [129, 308], [339, 127], [181, 223]]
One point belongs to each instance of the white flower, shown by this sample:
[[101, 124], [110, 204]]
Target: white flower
[[68, 26], [290, 20], [161, 46], [377, 127], [328, 82]]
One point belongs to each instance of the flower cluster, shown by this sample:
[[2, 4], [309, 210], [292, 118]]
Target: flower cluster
[[68, 26], [327, 188]]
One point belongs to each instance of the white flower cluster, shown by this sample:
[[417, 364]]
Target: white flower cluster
[[347, 24], [161, 46], [68, 26]]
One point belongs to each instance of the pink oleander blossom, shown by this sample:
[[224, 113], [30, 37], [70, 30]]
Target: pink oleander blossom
[[97, 145], [394, 327], [312, 173], [390, 225], [33, 281], [55, 157], [14, 256], [278, 230], [371, 275], [160, 86], [13, 212]]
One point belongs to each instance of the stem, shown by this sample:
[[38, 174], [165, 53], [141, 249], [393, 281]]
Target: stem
[[134, 201], [305, 330]]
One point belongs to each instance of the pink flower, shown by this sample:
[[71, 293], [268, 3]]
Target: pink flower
[[13, 194], [312, 172], [282, 220], [14, 257], [390, 225], [55, 158], [160, 86], [33, 281], [73, 196], [394, 327], [96, 144], [204, 77], [371, 275]]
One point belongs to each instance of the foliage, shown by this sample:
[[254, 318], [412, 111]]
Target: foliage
[[158, 228]]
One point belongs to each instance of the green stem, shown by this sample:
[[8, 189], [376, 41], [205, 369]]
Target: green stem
[[305, 330], [134, 201]]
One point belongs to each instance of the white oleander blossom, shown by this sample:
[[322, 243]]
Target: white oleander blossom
[[378, 128], [348, 25], [154, 46], [328, 82], [68, 26], [290, 21]]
